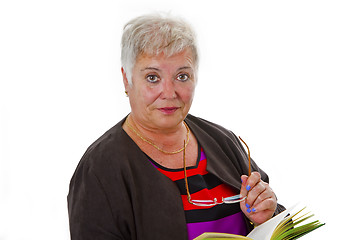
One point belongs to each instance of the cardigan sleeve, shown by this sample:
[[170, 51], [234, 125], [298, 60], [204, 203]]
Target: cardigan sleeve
[[90, 213]]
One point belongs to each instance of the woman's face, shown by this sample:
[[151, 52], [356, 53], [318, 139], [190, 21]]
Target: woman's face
[[162, 89]]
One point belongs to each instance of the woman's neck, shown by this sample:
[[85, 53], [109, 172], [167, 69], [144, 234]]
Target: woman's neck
[[167, 139]]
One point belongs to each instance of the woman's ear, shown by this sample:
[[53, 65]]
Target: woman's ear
[[125, 80]]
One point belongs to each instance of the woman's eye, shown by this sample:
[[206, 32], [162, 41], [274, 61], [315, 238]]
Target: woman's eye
[[183, 77], [152, 78]]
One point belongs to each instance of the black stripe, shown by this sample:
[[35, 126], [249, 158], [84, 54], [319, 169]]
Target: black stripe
[[198, 182]]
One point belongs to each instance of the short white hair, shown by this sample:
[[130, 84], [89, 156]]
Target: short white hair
[[154, 34]]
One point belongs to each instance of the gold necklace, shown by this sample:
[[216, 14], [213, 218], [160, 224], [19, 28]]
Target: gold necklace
[[153, 144]]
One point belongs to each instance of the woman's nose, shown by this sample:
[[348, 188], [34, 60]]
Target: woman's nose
[[168, 90]]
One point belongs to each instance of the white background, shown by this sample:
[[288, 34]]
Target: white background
[[282, 74]]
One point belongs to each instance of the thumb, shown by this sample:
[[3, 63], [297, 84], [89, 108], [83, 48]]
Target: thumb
[[243, 190]]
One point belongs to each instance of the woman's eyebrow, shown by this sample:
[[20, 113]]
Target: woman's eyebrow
[[150, 68], [157, 69], [183, 68]]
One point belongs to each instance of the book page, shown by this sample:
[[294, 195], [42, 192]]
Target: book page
[[265, 230]]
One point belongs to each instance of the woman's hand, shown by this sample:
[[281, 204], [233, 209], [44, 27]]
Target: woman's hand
[[261, 202]]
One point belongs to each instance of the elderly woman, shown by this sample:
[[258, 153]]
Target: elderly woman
[[161, 173]]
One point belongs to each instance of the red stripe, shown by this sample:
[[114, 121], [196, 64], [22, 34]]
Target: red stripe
[[200, 170]]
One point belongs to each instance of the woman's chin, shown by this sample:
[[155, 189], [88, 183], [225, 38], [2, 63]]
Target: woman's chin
[[168, 121]]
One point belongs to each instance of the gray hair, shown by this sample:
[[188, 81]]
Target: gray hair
[[154, 34]]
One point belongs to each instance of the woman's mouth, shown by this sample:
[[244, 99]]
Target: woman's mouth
[[168, 110]]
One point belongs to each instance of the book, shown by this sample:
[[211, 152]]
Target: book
[[284, 226]]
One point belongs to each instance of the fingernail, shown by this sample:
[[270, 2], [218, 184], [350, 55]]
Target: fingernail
[[248, 187], [254, 210], [247, 205], [248, 210]]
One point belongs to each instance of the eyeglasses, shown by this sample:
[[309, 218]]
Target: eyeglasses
[[213, 202]]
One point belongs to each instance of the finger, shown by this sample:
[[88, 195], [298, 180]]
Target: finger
[[266, 204], [249, 182], [255, 193], [267, 193], [243, 191], [254, 178]]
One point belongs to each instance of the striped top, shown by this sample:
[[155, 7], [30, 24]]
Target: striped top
[[226, 218]]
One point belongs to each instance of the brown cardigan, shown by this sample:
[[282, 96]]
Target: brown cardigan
[[115, 192]]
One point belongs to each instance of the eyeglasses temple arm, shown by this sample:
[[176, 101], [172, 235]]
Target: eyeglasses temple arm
[[186, 181]]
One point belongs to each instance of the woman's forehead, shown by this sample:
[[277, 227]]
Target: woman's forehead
[[184, 57]]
